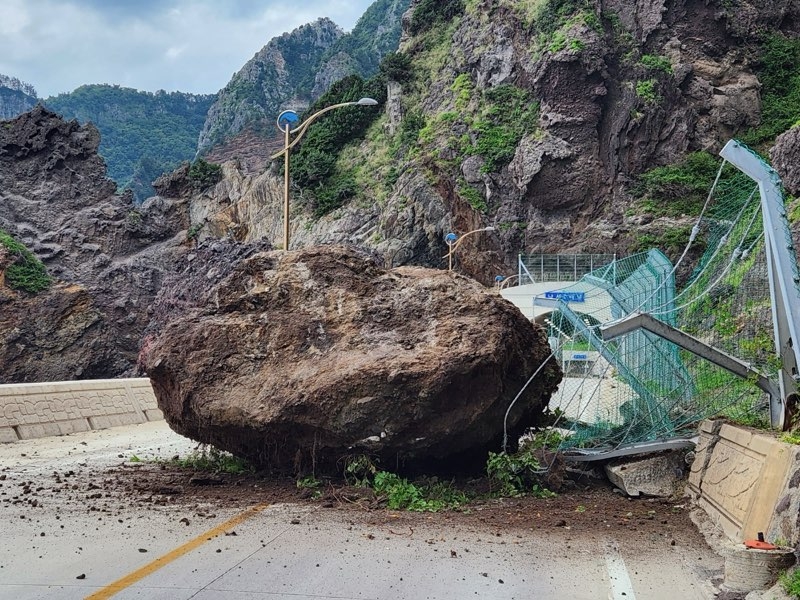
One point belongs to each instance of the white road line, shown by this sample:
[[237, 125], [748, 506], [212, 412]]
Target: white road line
[[620, 582]]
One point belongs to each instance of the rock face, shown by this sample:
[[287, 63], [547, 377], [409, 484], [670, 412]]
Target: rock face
[[109, 254], [785, 159], [290, 72], [298, 359]]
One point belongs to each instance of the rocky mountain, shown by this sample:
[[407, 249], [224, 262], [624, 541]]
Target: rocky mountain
[[540, 120], [290, 72], [567, 126], [143, 134], [16, 97]]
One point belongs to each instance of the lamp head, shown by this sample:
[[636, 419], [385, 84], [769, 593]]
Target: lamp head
[[490, 228], [367, 102]]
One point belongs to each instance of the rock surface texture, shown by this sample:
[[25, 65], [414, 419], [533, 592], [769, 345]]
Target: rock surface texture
[[621, 87], [109, 256], [298, 359]]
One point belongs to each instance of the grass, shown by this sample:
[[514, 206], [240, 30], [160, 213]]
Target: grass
[[208, 458], [790, 580], [26, 273]]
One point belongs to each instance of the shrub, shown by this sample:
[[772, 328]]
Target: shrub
[[646, 90], [431, 12], [657, 63], [516, 474], [26, 273], [204, 174], [396, 66]]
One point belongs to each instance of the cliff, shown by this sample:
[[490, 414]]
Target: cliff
[[106, 257]]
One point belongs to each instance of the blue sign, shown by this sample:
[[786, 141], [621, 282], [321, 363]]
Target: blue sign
[[580, 356], [566, 296]]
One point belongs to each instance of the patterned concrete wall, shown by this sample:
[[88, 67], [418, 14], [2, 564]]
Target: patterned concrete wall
[[747, 482], [33, 410]]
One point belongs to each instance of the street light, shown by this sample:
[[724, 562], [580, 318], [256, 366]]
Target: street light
[[289, 123], [502, 281], [453, 241]]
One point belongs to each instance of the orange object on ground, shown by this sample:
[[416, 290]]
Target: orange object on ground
[[759, 545]]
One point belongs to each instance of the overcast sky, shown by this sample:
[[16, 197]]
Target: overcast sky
[[186, 45]]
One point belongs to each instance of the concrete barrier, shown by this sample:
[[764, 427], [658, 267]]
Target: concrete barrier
[[747, 482], [34, 410]]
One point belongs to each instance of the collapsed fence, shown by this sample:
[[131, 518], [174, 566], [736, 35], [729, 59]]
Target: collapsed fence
[[718, 312]]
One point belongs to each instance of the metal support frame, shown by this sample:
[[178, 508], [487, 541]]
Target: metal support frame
[[783, 279], [722, 359]]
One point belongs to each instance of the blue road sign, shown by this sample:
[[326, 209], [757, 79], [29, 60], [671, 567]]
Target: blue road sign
[[566, 296]]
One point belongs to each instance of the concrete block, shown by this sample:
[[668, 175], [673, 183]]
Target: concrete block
[[73, 426], [114, 420], [154, 414], [38, 430], [659, 475], [7, 435]]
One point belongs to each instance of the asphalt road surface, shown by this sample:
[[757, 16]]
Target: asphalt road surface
[[62, 539]]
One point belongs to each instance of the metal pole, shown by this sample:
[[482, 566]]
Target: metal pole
[[286, 189]]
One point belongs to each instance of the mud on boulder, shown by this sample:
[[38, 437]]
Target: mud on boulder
[[299, 359]]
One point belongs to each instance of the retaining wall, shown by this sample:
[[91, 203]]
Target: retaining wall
[[34, 410], [747, 482]]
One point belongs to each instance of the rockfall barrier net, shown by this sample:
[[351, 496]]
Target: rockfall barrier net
[[641, 387]]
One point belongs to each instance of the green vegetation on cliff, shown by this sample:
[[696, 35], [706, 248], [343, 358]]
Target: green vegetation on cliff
[[779, 75], [142, 134], [26, 272], [314, 163]]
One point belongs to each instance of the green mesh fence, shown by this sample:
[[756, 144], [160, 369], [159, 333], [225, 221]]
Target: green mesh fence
[[640, 387]]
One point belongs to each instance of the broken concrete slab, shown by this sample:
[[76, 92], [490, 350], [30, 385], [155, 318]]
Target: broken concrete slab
[[659, 475]]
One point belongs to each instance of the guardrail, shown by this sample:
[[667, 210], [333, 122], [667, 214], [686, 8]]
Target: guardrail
[[34, 410]]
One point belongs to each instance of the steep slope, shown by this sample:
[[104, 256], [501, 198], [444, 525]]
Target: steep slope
[[273, 79], [359, 52], [15, 97], [538, 119], [143, 134], [291, 72], [106, 257]]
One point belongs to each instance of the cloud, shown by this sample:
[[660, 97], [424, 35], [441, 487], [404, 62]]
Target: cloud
[[186, 45]]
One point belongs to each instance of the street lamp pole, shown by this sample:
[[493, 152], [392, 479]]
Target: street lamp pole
[[453, 242], [289, 123]]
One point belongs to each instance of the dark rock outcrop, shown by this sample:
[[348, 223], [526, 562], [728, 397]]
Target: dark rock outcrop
[[56, 200], [300, 358], [785, 158]]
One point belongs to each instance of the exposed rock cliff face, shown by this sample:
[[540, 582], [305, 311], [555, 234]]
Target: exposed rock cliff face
[[620, 88], [55, 199], [296, 359], [289, 73], [269, 82], [785, 157]]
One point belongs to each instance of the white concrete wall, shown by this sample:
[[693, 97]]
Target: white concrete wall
[[747, 482], [33, 410]]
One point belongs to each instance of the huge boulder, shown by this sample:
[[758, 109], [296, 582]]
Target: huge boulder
[[298, 359]]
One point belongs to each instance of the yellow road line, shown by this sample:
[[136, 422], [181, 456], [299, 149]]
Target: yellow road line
[[131, 578]]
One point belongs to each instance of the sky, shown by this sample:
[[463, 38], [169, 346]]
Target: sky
[[175, 45]]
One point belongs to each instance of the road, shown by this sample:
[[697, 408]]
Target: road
[[95, 545]]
